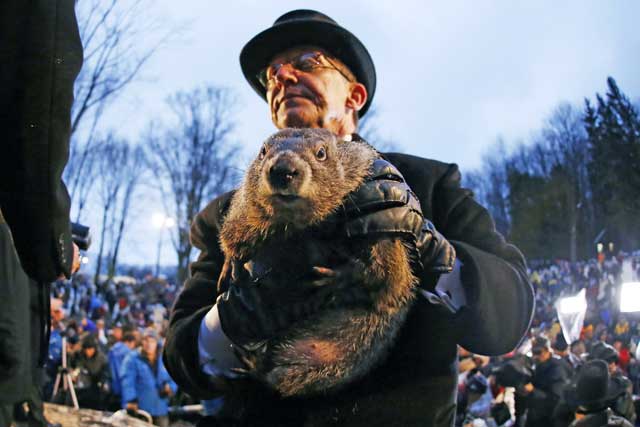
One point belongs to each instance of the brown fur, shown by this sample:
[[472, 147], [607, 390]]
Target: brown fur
[[338, 342]]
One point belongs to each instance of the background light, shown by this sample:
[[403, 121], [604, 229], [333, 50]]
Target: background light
[[630, 297], [160, 220], [574, 304]]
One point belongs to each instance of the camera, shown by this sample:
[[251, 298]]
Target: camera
[[81, 235], [514, 372]]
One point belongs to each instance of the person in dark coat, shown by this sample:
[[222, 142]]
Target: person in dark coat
[[41, 54], [547, 385], [593, 392], [561, 350], [314, 73], [622, 405], [91, 371]]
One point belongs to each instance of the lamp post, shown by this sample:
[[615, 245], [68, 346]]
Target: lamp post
[[161, 221]]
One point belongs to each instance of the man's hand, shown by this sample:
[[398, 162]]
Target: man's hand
[[252, 311], [525, 390], [166, 391], [436, 253], [385, 205], [75, 264]]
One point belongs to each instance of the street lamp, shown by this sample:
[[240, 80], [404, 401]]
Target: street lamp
[[630, 297], [161, 221]]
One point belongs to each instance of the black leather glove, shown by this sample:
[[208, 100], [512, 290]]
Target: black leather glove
[[437, 255], [249, 310], [385, 205], [256, 307]]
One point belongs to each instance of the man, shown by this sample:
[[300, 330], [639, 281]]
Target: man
[[568, 359], [146, 384], [314, 73], [542, 394], [41, 54], [619, 384], [593, 393]]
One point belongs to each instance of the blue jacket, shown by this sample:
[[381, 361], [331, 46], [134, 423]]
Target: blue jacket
[[142, 383], [116, 358]]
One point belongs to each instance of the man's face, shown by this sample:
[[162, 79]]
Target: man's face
[[541, 355], [316, 98], [578, 349]]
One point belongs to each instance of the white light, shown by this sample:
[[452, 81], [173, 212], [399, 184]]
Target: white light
[[160, 220], [157, 219], [630, 297], [575, 304], [85, 260]]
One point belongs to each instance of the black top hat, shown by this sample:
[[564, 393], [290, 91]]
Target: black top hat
[[592, 387], [308, 27], [603, 351]]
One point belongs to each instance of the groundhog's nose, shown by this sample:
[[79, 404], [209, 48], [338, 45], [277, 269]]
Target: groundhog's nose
[[282, 174]]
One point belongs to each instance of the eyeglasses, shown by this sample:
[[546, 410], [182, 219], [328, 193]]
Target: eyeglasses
[[305, 62]]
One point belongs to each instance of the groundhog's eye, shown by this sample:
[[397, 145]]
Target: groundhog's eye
[[263, 152], [321, 154]]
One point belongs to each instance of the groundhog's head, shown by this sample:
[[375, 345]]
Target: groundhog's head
[[298, 179], [302, 175]]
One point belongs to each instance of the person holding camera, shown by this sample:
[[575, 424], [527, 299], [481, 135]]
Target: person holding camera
[[91, 370], [542, 394]]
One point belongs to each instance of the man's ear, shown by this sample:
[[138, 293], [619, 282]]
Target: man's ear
[[357, 96]]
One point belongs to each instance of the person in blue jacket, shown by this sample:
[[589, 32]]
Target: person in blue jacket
[[146, 384], [117, 355]]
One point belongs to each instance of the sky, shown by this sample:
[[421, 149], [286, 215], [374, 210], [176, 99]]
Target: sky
[[453, 76]]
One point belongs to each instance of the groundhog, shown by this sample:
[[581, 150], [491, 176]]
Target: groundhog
[[281, 222]]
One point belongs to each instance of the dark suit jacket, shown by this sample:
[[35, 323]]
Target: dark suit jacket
[[41, 54], [416, 384]]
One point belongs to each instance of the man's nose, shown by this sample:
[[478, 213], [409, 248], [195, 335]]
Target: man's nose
[[286, 73]]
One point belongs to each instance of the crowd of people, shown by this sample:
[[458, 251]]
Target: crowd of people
[[553, 379], [114, 333], [111, 336]]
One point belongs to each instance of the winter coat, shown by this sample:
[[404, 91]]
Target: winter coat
[[144, 383], [93, 371], [549, 381], [416, 384], [41, 54], [116, 358]]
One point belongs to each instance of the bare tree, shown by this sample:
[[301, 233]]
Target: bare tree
[[132, 172], [116, 46], [565, 139], [192, 160], [120, 167]]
